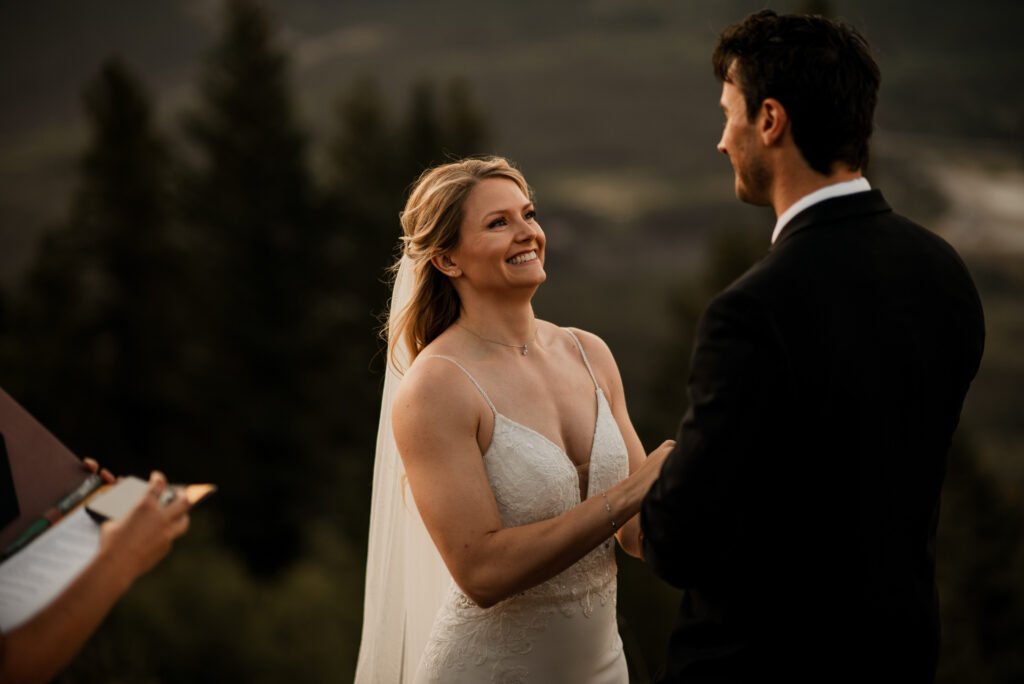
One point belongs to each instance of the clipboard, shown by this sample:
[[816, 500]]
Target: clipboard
[[43, 484], [40, 467]]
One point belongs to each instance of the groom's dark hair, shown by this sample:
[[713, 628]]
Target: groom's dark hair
[[822, 73]]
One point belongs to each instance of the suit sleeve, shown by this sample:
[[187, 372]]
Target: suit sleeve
[[698, 516]]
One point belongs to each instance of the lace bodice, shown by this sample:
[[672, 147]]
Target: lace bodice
[[532, 479]]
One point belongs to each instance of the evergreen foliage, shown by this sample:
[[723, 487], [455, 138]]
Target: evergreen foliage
[[731, 253], [96, 356], [375, 160], [980, 550], [265, 272], [213, 313]]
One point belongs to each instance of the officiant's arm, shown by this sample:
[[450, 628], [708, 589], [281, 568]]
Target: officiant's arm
[[609, 377], [697, 514], [129, 547], [436, 417]]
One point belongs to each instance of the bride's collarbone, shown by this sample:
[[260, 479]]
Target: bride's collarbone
[[551, 383], [552, 401]]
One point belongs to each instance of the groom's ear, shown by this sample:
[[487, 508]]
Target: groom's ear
[[772, 122], [445, 265]]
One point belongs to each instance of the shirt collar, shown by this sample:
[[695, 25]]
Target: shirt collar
[[820, 195]]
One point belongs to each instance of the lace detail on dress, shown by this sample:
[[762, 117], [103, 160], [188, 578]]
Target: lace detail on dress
[[532, 480], [465, 634]]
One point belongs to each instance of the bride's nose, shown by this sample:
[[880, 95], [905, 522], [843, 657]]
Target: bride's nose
[[527, 230]]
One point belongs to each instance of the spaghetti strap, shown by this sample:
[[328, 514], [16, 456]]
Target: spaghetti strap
[[584, 355], [470, 376]]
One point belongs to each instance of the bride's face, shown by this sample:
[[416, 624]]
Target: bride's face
[[501, 245]]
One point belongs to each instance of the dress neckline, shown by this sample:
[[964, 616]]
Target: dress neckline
[[599, 396], [565, 455]]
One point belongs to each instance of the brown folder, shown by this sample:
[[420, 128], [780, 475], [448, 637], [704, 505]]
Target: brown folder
[[41, 468]]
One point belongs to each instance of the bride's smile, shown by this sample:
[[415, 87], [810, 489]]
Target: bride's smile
[[501, 244], [523, 257]]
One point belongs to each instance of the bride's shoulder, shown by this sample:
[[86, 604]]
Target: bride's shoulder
[[432, 404], [597, 351], [592, 344], [435, 379]]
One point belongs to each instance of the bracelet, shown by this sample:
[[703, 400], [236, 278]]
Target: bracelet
[[608, 508]]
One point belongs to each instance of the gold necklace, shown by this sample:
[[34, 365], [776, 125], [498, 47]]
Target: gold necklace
[[524, 347]]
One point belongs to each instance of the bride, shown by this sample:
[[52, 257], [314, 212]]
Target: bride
[[516, 446]]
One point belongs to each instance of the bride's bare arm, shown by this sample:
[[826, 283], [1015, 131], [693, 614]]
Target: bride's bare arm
[[607, 372], [435, 422]]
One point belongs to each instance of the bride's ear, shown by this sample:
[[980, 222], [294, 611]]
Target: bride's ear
[[445, 265]]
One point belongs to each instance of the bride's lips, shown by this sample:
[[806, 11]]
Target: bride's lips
[[522, 257]]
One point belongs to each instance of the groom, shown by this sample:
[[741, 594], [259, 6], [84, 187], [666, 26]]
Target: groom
[[799, 508]]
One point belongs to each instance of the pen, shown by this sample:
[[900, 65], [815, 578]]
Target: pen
[[88, 486]]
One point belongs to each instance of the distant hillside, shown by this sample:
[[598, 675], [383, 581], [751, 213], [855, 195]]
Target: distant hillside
[[604, 103]]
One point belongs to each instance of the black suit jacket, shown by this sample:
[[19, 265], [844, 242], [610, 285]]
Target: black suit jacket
[[799, 508]]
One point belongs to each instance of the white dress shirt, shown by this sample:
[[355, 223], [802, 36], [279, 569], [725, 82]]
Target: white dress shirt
[[820, 195]]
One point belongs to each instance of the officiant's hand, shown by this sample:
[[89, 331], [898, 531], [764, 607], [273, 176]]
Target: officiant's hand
[[130, 546], [143, 537], [92, 466]]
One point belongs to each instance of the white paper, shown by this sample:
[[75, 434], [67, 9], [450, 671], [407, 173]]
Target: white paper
[[36, 575]]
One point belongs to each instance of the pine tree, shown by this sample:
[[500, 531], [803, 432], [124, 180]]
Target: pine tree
[[424, 134], [267, 279], [363, 155], [466, 130], [731, 252], [94, 343], [375, 160]]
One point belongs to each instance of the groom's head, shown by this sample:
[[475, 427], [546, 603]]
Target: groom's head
[[818, 73]]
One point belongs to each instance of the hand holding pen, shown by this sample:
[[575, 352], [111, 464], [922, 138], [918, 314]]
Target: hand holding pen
[[96, 479], [140, 539]]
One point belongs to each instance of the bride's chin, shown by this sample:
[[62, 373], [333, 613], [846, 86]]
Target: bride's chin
[[541, 277], [534, 277]]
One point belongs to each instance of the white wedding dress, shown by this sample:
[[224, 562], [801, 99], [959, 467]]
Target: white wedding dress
[[564, 630]]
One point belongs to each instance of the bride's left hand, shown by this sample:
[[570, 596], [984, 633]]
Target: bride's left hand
[[651, 467]]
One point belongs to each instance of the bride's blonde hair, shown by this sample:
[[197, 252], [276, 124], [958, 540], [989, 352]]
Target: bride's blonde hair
[[430, 224]]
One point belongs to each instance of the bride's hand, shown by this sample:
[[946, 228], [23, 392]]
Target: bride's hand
[[651, 468], [636, 487]]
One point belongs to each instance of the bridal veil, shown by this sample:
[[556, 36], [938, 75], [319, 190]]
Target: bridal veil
[[406, 579]]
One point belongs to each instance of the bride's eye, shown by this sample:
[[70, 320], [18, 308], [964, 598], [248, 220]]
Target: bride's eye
[[530, 215], [497, 222]]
